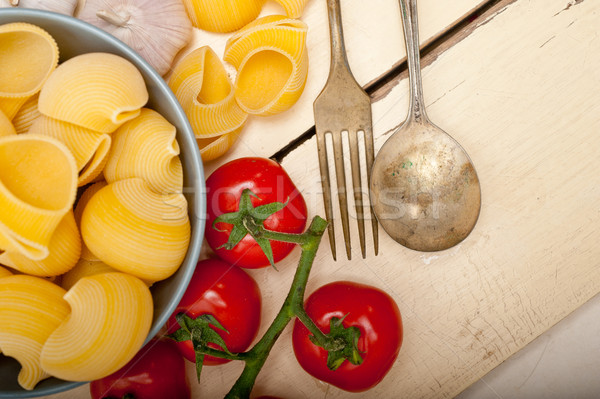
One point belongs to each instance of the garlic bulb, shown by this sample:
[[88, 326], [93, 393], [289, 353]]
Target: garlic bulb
[[61, 6], [156, 30]]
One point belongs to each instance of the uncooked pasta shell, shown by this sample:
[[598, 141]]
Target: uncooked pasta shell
[[31, 308], [136, 230], [202, 86], [6, 126], [286, 34], [38, 183], [98, 91], [84, 268], [270, 81], [64, 251], [28, 55], [84, 198], [89, 147], [293, 8], [222, 15], [26, 115], [213, 148], [110, 317], [4, 272], [146, 147]]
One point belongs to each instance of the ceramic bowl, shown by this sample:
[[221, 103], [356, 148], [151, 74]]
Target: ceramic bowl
[[76, 37]]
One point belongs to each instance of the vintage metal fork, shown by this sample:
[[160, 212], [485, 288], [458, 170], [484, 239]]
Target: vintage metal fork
[[343, 106]]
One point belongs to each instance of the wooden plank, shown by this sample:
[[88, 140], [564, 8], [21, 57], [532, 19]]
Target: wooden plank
[[374, 42]]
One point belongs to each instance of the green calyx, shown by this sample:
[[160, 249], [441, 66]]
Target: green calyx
[[200, 332], [341, 344], [249, 220]]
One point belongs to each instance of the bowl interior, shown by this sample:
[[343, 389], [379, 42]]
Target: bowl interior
[[76, 37]]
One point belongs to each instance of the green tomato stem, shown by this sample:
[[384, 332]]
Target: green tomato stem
[[256, 357]]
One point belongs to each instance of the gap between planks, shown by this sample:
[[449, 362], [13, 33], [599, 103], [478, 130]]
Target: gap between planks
[[430, 50]]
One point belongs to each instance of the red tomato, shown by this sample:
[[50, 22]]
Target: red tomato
[[230, 295], [371, 310], [156, 372], [270, 183]]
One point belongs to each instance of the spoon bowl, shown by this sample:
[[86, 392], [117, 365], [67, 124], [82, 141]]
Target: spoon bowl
[[424, 188]]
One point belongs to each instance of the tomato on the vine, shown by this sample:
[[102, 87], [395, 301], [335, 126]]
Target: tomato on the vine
[[231, 296], [269, 183], [157, 371], [378, 319]]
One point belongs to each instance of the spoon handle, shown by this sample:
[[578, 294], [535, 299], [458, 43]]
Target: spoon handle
[[416, 111]]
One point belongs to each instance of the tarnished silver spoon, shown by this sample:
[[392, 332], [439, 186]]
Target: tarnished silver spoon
[[424, 189]]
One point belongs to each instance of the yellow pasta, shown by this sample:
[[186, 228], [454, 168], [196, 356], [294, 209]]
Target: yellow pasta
[[98, 91], [64, 251], [26, 115], [31, 308], [4, 272], [277, 74], [6, 126], [28, 55], [89, 148], [84, 198], [146, 147], [214, 147], [272, 61], [222, 15], [110, 317], [293, 8], [136, 230], [84, 268], [276, 31], [38, 183], [202, 86]]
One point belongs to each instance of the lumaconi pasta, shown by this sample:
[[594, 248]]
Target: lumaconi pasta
[[6, 126], [89, 148], [84, 268], [98, 91], [202, 86], [4, 272], [136, 230], [85, 346], [26, 115], [31, 308], [214, 147], [29, 52], [293, 8], [84, 198], [277, 31], [146, 147], [64, 251], [222, 15], [38, 183], [272, 62]]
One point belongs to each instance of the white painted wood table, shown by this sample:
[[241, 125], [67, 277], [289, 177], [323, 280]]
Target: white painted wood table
[[519, 87]]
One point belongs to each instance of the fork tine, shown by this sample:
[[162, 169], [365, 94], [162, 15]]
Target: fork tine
[[369, 155], [326, 186], [357, 188], [340, 175]]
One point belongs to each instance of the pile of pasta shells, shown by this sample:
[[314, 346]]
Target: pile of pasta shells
[[270, 59], [91, 208]]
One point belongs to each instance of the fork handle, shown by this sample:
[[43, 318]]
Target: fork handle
[[336, 35]]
